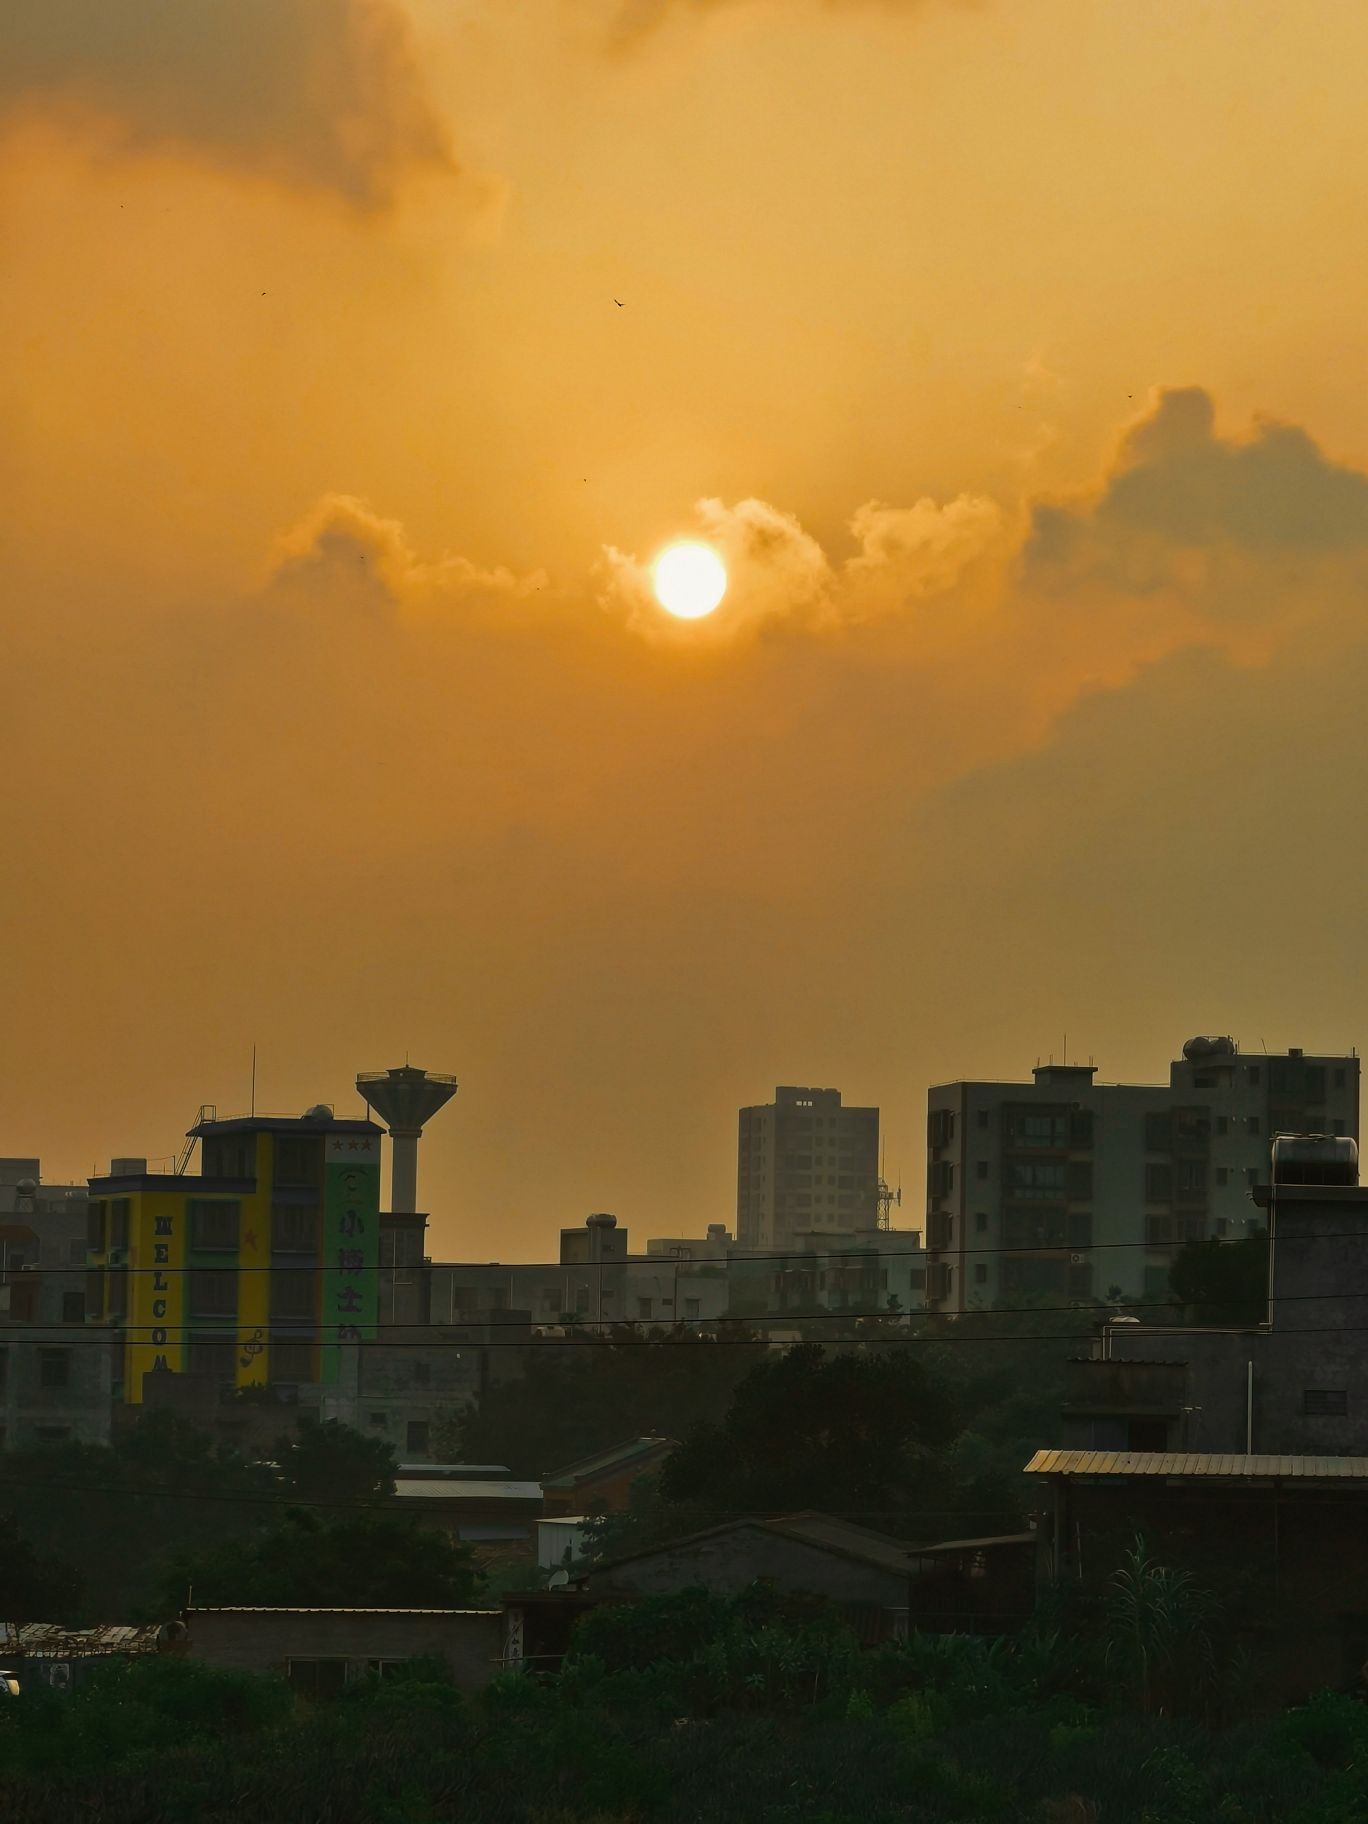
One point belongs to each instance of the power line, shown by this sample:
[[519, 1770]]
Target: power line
[[699, 1267]]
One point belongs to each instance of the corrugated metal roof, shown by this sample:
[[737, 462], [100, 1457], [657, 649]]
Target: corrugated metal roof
[[976, 1545], [247, 1608], [413, 1489], [1196, 1463], [50, 1640]]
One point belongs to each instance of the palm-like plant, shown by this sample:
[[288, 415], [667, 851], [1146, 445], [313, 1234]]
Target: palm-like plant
[[1158, 1631]]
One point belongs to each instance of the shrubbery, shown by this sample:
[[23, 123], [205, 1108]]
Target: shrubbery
[[754, 1710]]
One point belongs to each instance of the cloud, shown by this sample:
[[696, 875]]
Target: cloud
[[1184, 508], [634, 20], [344, 554], [321, 93], [778, 572]]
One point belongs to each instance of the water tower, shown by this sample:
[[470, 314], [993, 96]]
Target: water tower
[[405, 1099]]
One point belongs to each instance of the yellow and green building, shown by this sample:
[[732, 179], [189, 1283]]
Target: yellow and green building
[[262, 1268]]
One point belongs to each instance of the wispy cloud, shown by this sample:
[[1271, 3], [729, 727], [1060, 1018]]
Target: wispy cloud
[[327, 94]]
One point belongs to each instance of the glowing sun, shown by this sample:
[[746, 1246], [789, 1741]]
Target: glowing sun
[[690, 580]]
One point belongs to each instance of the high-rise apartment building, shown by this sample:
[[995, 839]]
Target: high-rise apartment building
[[805, 1163], [1062, 1188]]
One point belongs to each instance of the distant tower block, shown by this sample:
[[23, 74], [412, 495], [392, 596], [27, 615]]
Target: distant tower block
[[405, 1099]]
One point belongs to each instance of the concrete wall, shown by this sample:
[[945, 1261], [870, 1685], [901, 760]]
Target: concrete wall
[[265, 1640], [730, 1562]]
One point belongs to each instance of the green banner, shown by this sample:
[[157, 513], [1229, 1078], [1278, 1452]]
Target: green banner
[[351, 1247]]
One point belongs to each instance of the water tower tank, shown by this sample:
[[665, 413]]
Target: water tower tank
[[405, 1099]]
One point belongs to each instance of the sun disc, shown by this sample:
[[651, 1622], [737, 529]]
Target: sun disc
[[690, 580]]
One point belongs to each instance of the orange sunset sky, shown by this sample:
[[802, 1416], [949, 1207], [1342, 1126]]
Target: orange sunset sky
[[1012, 355]]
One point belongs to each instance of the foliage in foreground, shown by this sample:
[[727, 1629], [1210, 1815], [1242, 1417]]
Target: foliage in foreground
[[755, 1710]]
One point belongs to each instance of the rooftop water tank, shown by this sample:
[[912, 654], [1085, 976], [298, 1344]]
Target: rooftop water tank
[[1315, 1159], [1207, 1045]]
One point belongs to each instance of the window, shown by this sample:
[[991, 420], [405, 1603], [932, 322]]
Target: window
[[1192, 1177], [692, 1307], [1081, 1128], [981, 1170], [298, 1159], [1158, 1231], [95, 1227], [1222, 1125], [1254, 1074], [1080, 1181], [118, 1222], [294, 1228], [212, 1355], [1252, 1175], [1221, 1226], [316, 1678], [54, 1368], [1251, 1124], [291, 1359], [1339, 1079], [293, 1292], [422, 1374], [1325, 1403], [228, 1156], [940, 1127], [376, 1418], [118, 1292], [73, 1307], [1222, 1174], [416, 1437], [1034, 1229], [643, 1307], [1158, 1183], [1159, 1133], [213, 1292], [1147, 1434], [981, 1222], [1037, 1178], [980, 1275], [1030, 1128], [214, 1225], [942, 1176], [941, 1229]]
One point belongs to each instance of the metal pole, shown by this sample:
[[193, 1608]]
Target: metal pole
[[1249, 1410]]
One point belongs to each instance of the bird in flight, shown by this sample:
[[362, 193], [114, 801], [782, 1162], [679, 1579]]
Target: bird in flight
[[618, 302]]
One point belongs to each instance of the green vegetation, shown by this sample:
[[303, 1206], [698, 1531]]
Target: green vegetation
[[696, 1710], [92, 1534], [1223, 1282]]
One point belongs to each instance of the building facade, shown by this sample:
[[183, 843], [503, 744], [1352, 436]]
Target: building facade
[[805, 1161], [1063, 1188], [54, 1379], [260, 1269]]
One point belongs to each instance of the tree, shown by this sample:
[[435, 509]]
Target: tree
[[33, 1587], [855, 1432], [569, 1401], [1223, 1282], [331, 1462], [372, 1560]]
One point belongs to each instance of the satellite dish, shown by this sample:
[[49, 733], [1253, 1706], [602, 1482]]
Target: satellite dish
[[558, 1580]]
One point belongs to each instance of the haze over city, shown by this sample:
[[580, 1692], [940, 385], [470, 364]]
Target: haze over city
[[363, 359]]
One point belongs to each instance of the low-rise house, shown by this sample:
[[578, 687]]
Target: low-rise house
[[44, 1652], [1281, 1540], [602, 1483], [485, 1508], [321, 1650]]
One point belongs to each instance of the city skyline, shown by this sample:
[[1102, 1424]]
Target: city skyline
[[451, 1231], [370, 352]]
